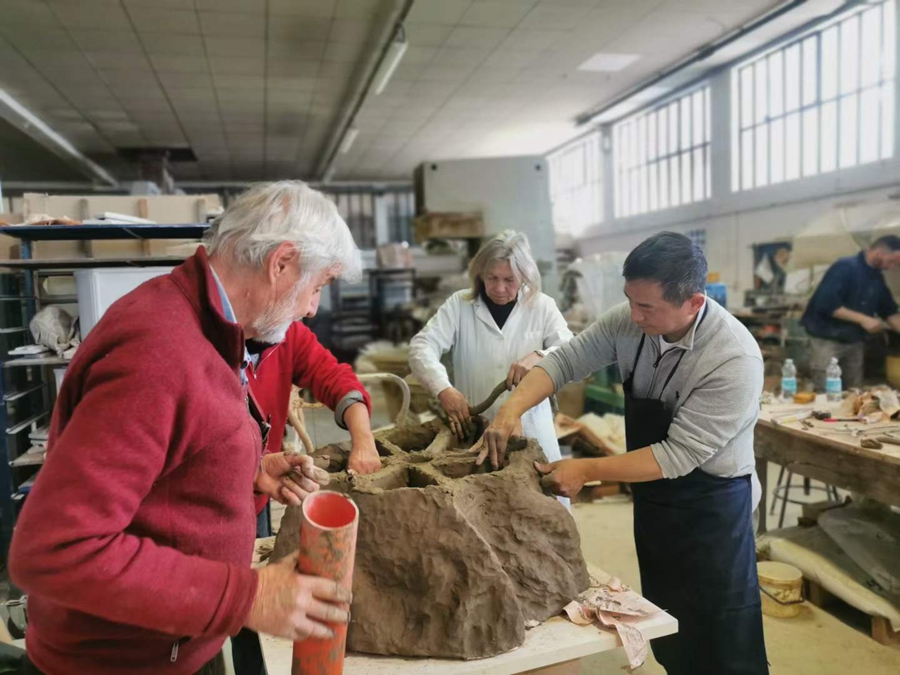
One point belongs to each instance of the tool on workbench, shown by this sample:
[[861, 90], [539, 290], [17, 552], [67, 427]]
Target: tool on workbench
[[890, 440], [792, 417], [327, 549], [871, 444]]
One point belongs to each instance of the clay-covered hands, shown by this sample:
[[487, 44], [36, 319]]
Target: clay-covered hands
[[495, 439], [457, 408], [565, 477], [293, 605], [521, 368], [364, 456], [289, 478]]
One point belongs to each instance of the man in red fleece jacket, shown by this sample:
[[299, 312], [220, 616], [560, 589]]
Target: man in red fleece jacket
[[300, 359], [135, 543]]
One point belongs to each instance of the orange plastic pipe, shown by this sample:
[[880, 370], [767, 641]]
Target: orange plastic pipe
[[327, 549]]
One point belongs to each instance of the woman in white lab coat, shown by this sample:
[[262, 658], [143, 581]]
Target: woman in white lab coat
[[498, 330]]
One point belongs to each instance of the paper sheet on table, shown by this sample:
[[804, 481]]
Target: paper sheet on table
[[615, 606]]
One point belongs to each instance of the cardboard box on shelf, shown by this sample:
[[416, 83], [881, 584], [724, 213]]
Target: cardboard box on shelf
[[163, 209], [113, 248], [448, 226]]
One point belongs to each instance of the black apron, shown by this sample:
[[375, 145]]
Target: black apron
[[697, 555]]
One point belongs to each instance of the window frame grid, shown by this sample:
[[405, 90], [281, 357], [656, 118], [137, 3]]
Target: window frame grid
[[576, 181], [883, 86], [673, 165]]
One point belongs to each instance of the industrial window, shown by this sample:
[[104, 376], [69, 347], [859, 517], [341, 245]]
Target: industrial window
[[822, 102], [401, 209], [661, 155], [576, 185]]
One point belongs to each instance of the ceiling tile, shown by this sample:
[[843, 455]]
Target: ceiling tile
[[118, 61], [167, 44], [183, 93], [469, 36], [91, 14], [427, 35], [357, 9], [439, 73], [180, 64], [240, 86], [227, 66], [528, 39], [346, 30], [451, 56], [302, 78], [96, 40], [17, 12], [319, 9], [185, 79], [31, 38], [290, 73], [495, 14], [231, 5], [173, 22], [446, 12], [231, 47], [507, 58], [337, 69], [343, 53], [284, 50], [548, 16], [296, 28], [161, 4], [233, 24]]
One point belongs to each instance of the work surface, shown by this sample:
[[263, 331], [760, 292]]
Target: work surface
[[829, 452], [553, 642]]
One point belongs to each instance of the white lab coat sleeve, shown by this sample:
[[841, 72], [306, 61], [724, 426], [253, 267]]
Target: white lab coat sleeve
[[432, 342], [556, 328]]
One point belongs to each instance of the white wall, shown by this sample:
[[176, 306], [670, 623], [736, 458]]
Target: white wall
[[735, 220]]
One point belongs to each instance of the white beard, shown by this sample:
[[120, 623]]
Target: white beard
[[273, 324]]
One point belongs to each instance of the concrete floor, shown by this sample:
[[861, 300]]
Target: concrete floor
[[814, 643]]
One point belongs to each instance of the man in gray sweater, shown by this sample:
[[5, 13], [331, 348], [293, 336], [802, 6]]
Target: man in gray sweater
[[692, 378]]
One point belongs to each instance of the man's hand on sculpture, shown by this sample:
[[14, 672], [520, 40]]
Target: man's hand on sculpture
[[364, 456], [289, 478], [293, 606], [495, 439], [564, 478], [521, 368], [457, 408]]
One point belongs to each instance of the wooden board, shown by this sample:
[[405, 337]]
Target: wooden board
[[821, 454], [556, 641]]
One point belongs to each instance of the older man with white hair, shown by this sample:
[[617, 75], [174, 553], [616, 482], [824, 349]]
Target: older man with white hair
[[135, 543]]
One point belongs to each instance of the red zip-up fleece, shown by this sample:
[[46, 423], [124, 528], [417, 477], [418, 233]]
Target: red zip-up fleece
[[303, 361], [135, 543]]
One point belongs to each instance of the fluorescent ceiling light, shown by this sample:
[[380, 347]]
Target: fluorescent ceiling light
[[608, 63], [27, 122], [349, 137], [389, 63]]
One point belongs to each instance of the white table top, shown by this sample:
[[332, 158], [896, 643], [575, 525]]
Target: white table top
[[555, 641]]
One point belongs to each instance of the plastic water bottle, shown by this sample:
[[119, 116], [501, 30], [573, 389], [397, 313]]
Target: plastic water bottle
[[833, 386], [788, 380]]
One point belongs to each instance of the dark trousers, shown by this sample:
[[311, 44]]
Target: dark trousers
[[246, 652]]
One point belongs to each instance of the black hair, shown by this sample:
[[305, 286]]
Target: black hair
[[889, 241], [671, 259]]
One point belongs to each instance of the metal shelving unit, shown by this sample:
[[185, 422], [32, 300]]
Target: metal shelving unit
[[27, 387]]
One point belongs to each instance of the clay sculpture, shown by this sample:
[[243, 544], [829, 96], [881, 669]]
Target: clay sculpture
[[452, 558]]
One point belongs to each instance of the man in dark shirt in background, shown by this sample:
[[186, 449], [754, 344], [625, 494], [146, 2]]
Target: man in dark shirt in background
[[852, 301]]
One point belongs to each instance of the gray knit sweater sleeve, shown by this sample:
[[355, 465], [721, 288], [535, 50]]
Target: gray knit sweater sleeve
[[591, 350]]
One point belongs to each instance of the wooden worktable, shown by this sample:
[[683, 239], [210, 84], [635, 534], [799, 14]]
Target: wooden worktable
[[821, 454], [554, 642]]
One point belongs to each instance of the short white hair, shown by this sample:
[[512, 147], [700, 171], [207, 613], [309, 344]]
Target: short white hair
[[270, 214], [508, 246]]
